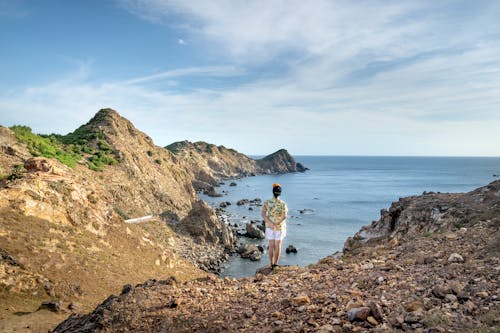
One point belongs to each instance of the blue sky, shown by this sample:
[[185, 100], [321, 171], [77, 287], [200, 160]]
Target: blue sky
[[314, 77]]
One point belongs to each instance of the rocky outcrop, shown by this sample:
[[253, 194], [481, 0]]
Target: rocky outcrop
[[254, 232], [203, 225], [279, 162], [432, 212], [408, 279], [211, 163], [250, 251], [147, 178]]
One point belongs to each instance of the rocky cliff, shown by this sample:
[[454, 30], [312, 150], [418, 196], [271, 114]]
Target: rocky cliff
[[430, 264], [211, 163], [431, 213]]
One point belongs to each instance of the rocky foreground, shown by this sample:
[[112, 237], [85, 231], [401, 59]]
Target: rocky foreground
[[430, 264]]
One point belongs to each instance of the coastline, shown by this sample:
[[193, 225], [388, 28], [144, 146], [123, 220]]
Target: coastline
[[424, 278]]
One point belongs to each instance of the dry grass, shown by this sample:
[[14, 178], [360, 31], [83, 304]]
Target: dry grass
[[82, 266]]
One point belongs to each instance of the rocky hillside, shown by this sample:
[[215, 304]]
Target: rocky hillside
[[430, 264], [63, 201], [60, 234], [212, 163], [146, 179]]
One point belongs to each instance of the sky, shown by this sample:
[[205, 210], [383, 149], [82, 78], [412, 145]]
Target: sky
[[318, 77]]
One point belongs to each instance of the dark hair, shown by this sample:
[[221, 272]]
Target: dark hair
[[276, 191]]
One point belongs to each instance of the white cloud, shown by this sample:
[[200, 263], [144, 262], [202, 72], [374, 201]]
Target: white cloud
[[358, 78], [181, 41], [213, 71]]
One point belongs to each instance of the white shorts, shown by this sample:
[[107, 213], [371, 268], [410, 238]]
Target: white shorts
[[275, 235]]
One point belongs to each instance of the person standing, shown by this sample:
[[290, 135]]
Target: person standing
[[274, 213]]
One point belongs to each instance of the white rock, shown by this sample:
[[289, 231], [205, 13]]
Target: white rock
[[455, 257]]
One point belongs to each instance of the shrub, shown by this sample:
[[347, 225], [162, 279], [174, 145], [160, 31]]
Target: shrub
[[70, 148], [46, 145]]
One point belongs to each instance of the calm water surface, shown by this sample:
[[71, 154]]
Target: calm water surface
[[344, 193]]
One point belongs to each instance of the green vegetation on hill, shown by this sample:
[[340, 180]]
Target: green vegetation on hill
[[47, 146], [69, 149]]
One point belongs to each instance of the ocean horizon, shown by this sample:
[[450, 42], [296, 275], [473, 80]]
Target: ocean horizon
[[339, 194]]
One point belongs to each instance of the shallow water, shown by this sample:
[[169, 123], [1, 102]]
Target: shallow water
[[344, 193]]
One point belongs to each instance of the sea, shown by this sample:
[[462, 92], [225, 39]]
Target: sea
[[339, 194]]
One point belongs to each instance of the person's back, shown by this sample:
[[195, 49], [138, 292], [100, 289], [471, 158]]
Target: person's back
[[274, 213]]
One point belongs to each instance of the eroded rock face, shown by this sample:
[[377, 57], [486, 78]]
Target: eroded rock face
[[203, 225], [49, 190], [211, 163], [432, 212]]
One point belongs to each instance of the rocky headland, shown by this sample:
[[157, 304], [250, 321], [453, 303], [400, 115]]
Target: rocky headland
[[429, 264], [64, 200], [212, 164]]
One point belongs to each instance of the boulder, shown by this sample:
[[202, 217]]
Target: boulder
[[46, 165], [291, 249], [254, 232], [250, 251], [212, 193], [204, 226]]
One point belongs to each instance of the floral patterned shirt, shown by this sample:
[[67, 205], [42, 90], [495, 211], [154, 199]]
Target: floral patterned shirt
[[276, 210]]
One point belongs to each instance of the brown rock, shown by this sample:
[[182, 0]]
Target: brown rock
[[301, 300], [325, 329], [469, 307], [278, 315], [54, 306], [372, 320], [376, 311], [413, 306], [394, 242], [441, 291], [358, 314], [354, 303], [203, 225]]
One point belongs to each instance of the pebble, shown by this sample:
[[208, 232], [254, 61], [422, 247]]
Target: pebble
[[450, 298], [372, 320], [301, 300], [358, 313], [455, 257]]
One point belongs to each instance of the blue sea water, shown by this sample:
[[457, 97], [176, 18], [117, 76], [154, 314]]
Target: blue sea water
[[343, 193]]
